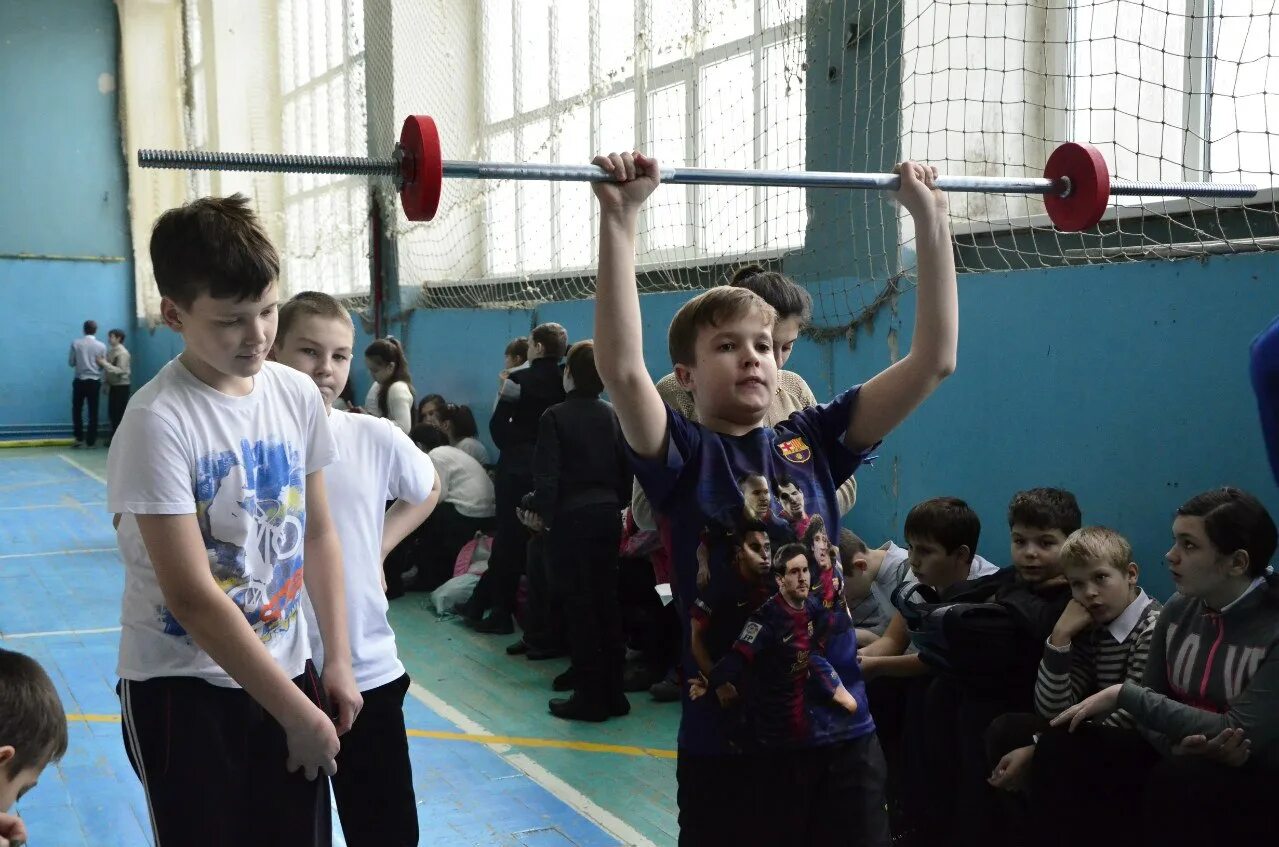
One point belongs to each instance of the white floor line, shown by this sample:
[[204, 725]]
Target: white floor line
[[91, 474], [575, 799], [52, 506], [59, 553], [56, 632]]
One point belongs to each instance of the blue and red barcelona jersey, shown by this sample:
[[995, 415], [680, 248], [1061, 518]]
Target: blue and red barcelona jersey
[[710, 480], [790, 682]]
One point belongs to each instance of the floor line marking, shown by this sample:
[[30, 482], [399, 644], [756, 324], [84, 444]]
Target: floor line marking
[[76, 505], [81, 551], [91, 474], [576, 800], [57, 632]]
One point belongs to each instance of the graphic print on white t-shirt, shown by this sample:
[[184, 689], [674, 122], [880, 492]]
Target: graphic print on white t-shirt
[[253, 526]]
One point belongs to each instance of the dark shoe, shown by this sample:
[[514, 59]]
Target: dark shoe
[[618, 705], [519, 648], [565, 681], [539, 654], [666, 691], [577, 709], [496, 624], [638, 677]]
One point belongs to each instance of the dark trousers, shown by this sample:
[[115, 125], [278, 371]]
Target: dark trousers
[[829, 795], [374, 783], [584, 552], [117, 401], [85, 391], [544, 619], [501, 582], [897, 703], [212, 764], [432, 548], [1135, 796], [1011, 824]]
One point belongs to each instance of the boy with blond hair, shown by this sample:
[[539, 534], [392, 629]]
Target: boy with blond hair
[[373, 785], [721, 344]]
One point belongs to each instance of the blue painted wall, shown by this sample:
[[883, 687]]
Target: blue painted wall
[[1126, 384], [64, 196]]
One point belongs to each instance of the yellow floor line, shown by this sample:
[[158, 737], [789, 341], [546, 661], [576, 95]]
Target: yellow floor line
[[508, 740]]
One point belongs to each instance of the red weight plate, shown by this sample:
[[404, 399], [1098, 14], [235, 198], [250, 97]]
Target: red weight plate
[[423, 168], [1089, 179]]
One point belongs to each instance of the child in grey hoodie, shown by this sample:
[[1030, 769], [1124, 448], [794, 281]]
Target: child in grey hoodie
[[1208, 705]]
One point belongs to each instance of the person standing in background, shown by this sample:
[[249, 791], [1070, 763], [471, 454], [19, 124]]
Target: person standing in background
[[84, 356], [117, 367]]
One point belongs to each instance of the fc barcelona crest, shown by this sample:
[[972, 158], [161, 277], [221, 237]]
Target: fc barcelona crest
[[796, 450]]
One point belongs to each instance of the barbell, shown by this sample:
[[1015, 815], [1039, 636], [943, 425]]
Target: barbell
[[1076, 184]]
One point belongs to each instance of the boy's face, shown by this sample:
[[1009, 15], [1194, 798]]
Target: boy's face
[[319, 347], [1036, 552], [1101, 589], [785, 331], [735, 376], [793, 584], [933, 565], [12, 788], [755, 493], [792, 500], [431, 414], [226, 339], [1198, 568], [754, 556], [114, 339]]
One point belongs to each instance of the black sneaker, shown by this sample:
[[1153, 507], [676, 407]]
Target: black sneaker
[[577, 709], [666, 691]]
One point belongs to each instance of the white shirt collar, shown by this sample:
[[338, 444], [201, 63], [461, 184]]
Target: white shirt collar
[[1251, 588], [1121, 627]]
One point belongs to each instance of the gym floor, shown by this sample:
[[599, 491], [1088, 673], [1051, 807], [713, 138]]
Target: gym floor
[[490, 765]]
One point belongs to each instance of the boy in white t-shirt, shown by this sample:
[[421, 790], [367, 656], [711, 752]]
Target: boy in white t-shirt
[[374, 781], [216, 473]]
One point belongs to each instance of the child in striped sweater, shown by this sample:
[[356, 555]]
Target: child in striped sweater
[[1101, 639]]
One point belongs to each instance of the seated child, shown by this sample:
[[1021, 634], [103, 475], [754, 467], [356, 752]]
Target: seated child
[[33, 734], [1210, 693], [1102, 638], [950, 797]]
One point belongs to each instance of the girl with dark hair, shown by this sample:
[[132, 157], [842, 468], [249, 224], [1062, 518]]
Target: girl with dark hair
[[391, 395], [459, 424]]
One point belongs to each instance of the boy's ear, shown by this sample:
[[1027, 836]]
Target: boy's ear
[[964, 553], [860, 563], [1132, 573], [684, 376], [171, 314], [7, 752], [1239, 561]]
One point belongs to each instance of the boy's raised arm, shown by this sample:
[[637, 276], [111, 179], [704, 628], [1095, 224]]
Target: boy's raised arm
[[890, 396], [619, 342]]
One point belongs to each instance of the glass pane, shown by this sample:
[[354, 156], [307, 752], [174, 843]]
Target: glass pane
[[727, 141], [358, 120], [727, 20], [784, 110], [668, 131], [573, 210], [1129, 90], [316, 42], [284, 11], [535, 201], [779, 12], [617, 123], [572, 47], [499, 101], [355, 27], [301, 46], [335, 25], [671, 31], [535, 54], [1245, 101], [500, 209], [617, 40]]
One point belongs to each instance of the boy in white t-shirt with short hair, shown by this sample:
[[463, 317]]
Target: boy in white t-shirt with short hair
[[374, 781], [216, 473]]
